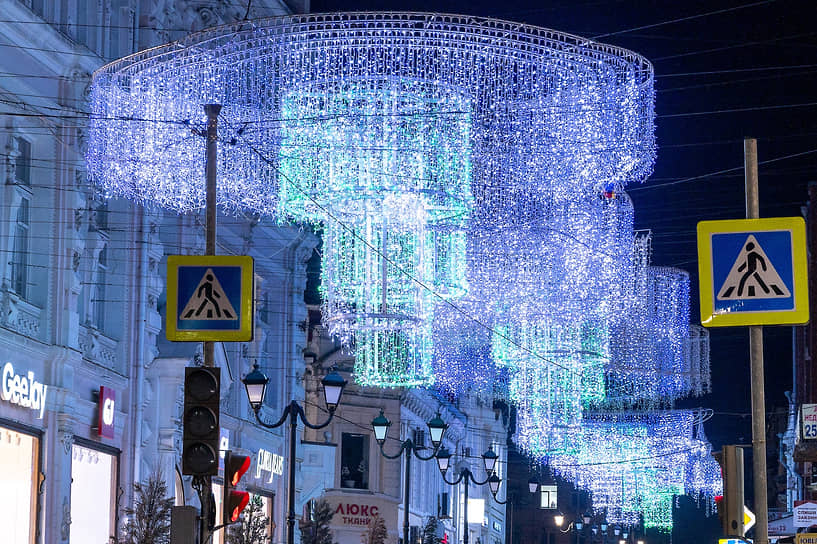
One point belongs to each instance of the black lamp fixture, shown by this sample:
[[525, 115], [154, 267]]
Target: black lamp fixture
[[578, 524], [256, 384], [489, 460], [437, 428], [333, 385], [586, 517], [380, 425], [559, 519], [533, 485], [443, 459], [493, 484]]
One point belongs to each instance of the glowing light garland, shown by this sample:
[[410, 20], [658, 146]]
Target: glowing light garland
[[635, 463], [457, 155], [381, 227], [378, 125], [656, 358], [549, 109]]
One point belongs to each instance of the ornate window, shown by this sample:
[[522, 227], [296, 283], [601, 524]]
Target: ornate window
[[20, 249], [98, 301], [22, 161]]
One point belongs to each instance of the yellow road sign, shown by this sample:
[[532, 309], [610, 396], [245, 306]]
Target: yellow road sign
[[748, 519], [209, 298], [753, 272]]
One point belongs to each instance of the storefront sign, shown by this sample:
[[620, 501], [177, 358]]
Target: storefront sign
[[808, 414], [806, 538], [22, 390], [269, 462], [782, 526], [805, 513], [106, 413], [353, 513]]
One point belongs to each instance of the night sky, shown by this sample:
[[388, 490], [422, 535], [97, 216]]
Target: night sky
[[724, 71]]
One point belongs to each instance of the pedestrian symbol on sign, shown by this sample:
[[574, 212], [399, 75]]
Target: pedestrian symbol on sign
[[752, 276], [209, 301]]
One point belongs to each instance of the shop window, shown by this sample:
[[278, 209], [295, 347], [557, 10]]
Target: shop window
[[93, 496], [354, 461], [19, 457], [267, 504], [19, 258]]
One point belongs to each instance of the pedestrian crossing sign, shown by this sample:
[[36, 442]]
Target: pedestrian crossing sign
[[209, 298], [753, 272]]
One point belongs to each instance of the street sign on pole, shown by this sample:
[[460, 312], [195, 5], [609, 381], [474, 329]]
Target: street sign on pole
[[209, 298], [808, 421], [753, 272], [748, 519]]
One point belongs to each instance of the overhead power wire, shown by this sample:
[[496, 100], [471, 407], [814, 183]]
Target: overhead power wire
[[682, 19], [710, 174], [735, 110]]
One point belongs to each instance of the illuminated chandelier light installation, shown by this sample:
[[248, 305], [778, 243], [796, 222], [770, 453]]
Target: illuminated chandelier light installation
[[462, 359], [374, 125], [635, 463], [588, 106], [554, 345], [386, 171], [657, 356]]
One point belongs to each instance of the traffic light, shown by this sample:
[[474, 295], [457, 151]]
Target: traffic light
[[200, 421], [233, 502], [730, 506]]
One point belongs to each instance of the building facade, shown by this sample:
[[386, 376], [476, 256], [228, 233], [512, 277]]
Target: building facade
[[345, 466], [91, 393]]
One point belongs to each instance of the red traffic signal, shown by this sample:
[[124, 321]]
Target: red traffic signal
[[234, 502]]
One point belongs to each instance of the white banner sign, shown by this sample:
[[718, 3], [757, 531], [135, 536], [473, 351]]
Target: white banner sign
[[22, 389], [808, 421], [805, 513]]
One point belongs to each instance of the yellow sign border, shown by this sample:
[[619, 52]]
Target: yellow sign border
[[798, 316], [245, 313]]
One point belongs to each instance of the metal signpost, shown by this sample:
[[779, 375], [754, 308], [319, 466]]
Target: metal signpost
[[754, 273], [209, 299]]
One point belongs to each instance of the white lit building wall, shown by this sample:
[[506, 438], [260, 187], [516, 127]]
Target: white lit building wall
[[82, 280], [473, 426]]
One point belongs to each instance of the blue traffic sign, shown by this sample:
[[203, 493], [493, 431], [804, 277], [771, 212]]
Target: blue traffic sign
[[752, 272], [209, 298]]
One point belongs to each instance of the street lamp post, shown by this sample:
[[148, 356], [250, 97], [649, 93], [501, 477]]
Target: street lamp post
[[489, 460], [256, 385], [436, 428]]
